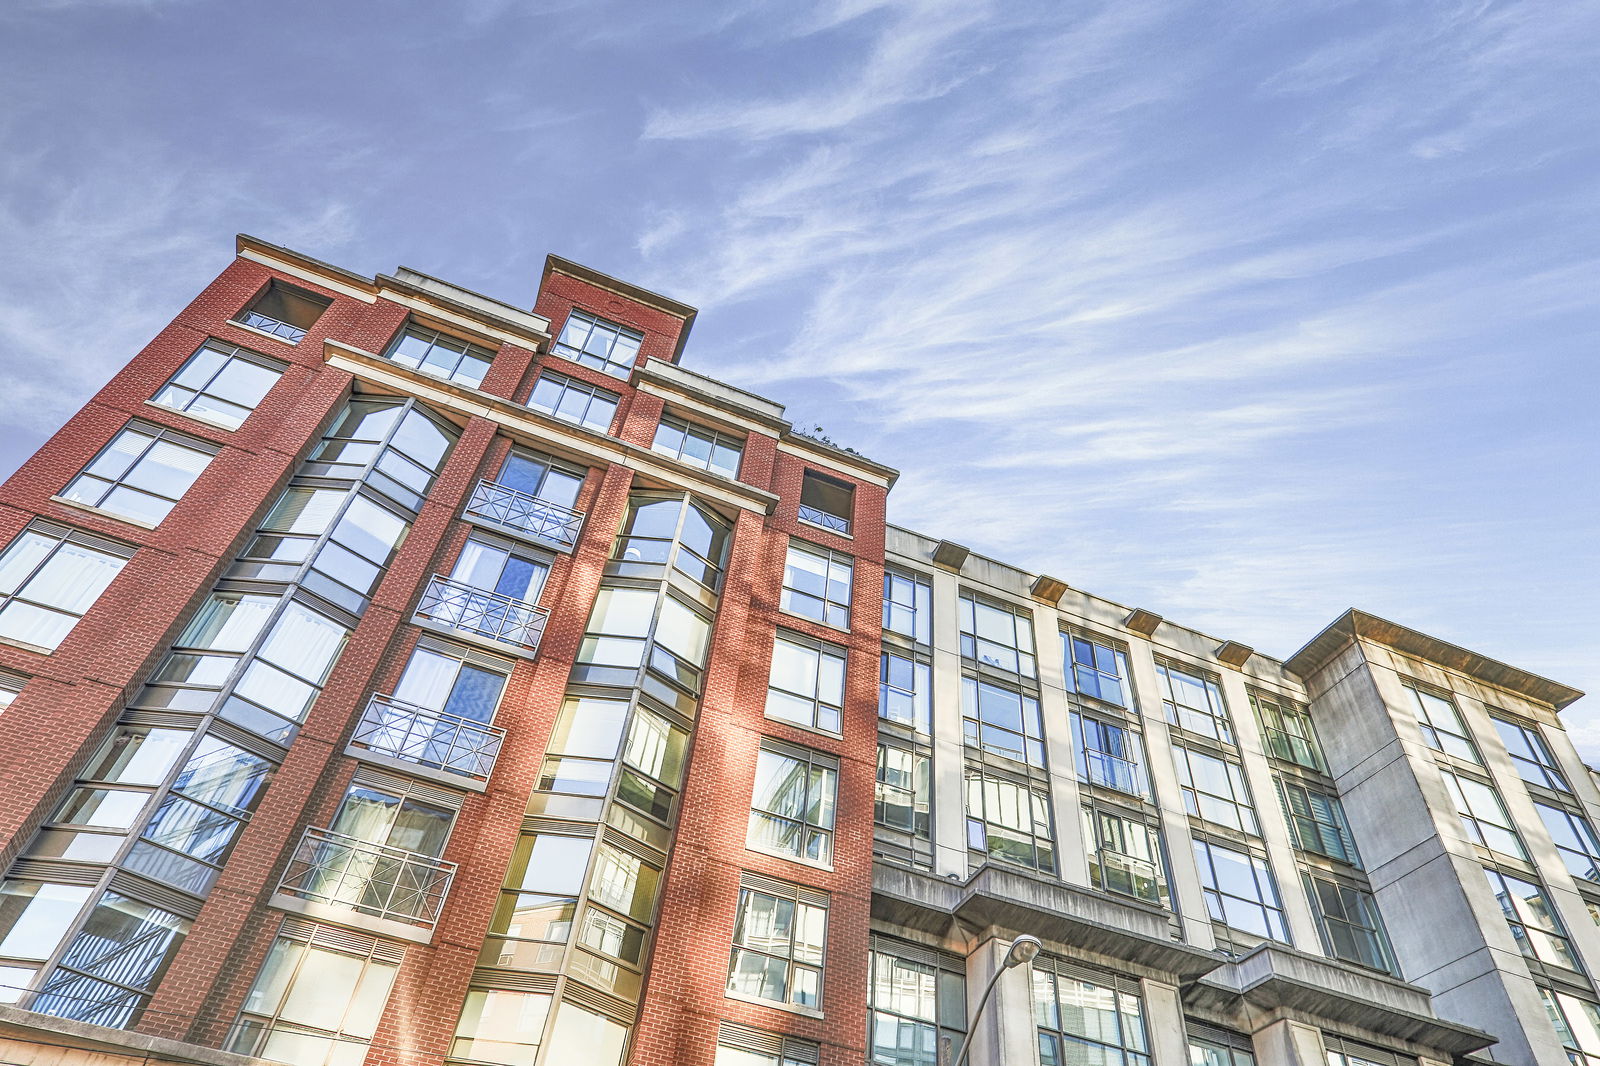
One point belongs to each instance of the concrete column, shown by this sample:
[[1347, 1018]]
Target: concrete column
[[1072, 862], [1005, 1035], [1163, 1023], [949, 803], [1289, 1043]]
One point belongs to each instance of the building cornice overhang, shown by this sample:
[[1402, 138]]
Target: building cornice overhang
[[1356, 625], [1129, 933], [1272, 978]]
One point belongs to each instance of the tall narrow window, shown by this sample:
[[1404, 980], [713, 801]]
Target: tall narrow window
[[696, 445], [918, 1006], [904, 791], [1002, 721], [49, 577], [1317, 822], [997, 636], [533, 920], [1214, 789], [1288, 732], [905, 691], [1240, 891], [1577, 1025], [826, 501], [1095, 669], [1194, 702], [1010, 821], [34, 916], [1484, 816], [907, 605], [1574, 838], [574, 401], [779, 938], [1534, 925], [141, 474], [1110, 755], [583, 749], [816, 584], [1530, 755], [1442, 727], [220, 383], [1084, 1020], [285, 311], [807, 683], [440, 355], [1125, 856], [1348, 922], [791, 810], [592, 341]]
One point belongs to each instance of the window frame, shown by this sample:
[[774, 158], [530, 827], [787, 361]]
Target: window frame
[[580, 354], [431, 337], [1524, 930], [715, 439], [1216, 713], [811, 763], [230, 353], [822, 651], [110, 486], [812, 514], [1095, 847], [1046, 978], [1268, 900], [920, 606], [1286, 726], [1244, 808], [1467, 749], [833, 613], [1038, 813], [281, 329], [813, 901], [58, 537], [968, 604], [1367, 925], [1549, 771], [1133, 740], [575, 385], [1070, 639], [1337, 824]]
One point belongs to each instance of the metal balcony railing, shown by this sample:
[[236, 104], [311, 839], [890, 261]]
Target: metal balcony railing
[[374, 879], [1134, 877], [276, 327], [822, 518], [1112, 772], [486, 614], [528, 515], [434, 739]]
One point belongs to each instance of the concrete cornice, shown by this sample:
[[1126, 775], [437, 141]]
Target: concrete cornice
[[1356, 625]]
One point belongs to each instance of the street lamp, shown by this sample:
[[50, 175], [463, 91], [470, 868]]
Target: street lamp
[[1022, 950]]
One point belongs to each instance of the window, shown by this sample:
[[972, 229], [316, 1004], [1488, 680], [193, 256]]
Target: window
[[996, 636], [634, 627], [816, 584], [1240, 891], [903, 791], [1009, 821], [574, 401], [1228, 1049], [1317, 822], [779, 935], [10, 688], [1441, 724], [49, 577], [654, 524], [1577, 1024], [492, 565], [1530, 755], [907, 605], [1109, 755], [1194, 702], [318, 998], [905, 691], [538, 902], [1125, 856], [740, 1045], [1484, 816], [440, 677], [395, 448], [1001, 721], [583, 747], [1214, 789], [826, 502], [359, 548], [541, 477], [919, 1006], [1532, 919], [806, 686], [698, 446], [1348, 922], [595, 342], [141, 474], [500, 1026], [220, 383], [492, 592], [440, 355], [652, 763], [791, 810], [1574, 838], [106, 974], [284, 311], [1342, 1052], [1082, 1019], [1095, 669], [1287, 729], [34, 916], [586, 1036]]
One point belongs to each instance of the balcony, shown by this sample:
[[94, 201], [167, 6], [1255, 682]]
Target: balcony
[[489, 615], [374, 879], [396, 730], [818, 517], [1124, 775], [524, 516]]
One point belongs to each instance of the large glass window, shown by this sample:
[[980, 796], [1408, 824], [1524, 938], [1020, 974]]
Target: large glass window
[[1532, 918], [541, 477], [1194, 702], [654, 524], [592, 341], [1348, 922], [905, 691], [583, 748], [904, 793], [48, 579], [394, 448], [918, 1007], [778, 947], [440, 681], [141, 474], [1125, 856], [1484, 816], [1287, 729], [696, 445], [1574, 838], [440, 355], [190, 834], [997, 636], [574, 401], [106, 974], [1083, 1021], [285, 311], [1442, 727], [1240, 891], [314, 1003], [34, 916], [1577, 1025], [1002, 721], [816, 584], [1097, 670], [1010, 821], [806, 686], [587, 1036], [500, 1026], [1317, 822], [907, 605], [791, 810], [1214, 789], [220, 383], [1530, 754], [538, 902], [1110, 755]]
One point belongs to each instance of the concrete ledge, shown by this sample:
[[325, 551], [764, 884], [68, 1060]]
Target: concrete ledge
[[30, 1039], [1142, 622]]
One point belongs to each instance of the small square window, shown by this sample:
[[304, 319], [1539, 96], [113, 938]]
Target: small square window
[[284, 311]]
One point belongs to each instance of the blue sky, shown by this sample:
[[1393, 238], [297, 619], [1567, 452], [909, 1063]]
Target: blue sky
[[1244, 313]]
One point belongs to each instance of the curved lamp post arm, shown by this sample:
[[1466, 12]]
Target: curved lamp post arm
[[1022, 950]]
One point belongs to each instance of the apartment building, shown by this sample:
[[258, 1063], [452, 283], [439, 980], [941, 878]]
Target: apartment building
[[399, 676]]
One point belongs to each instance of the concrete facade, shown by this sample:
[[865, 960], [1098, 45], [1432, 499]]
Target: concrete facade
[[400, 676]]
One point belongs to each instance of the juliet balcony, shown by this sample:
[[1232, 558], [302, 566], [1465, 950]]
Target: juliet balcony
[[521, 515], [435, 744], [489, 616], [334, 873]]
